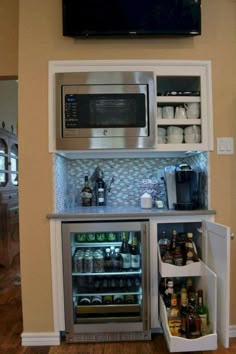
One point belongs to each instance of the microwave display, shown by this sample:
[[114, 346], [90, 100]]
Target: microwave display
[[104, 111]]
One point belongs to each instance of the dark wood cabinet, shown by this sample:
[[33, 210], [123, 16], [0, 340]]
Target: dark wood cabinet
[[9, 218]]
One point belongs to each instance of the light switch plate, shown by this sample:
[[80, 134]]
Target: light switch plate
[[225, 146]]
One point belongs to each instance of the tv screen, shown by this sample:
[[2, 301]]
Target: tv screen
[[131, 17]]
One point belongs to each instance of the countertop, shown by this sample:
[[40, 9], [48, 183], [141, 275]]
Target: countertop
[[101, 212]]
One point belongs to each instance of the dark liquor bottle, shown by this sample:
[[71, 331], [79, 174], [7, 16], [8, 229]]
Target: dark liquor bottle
[[193, 323], [100, 189], [124, 251], [86, 193], [168, 293], [178, 257], [183, 311], [202, 311], [168, 256], [191, 254], [163, 243], [135, 254], [173, 241]]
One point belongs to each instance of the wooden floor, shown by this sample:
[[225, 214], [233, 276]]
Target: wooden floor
[[11, 329]]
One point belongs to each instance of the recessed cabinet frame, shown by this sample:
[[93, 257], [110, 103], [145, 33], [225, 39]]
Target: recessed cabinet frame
[[213, 272], [201, 72], [160, 68]]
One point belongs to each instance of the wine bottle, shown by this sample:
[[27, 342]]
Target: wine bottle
[[86, 193], [107, 260], [100, 189], [125, 254], [117, 260], [135, 254]]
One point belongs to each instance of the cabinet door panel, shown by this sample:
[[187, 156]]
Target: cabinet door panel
[[206, 281], [218, 259]]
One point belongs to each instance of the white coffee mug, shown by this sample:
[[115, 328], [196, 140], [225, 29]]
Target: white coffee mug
[[161, 131], [168, 112], [192, 110], [180, 113], [174, 130], [175, 138], [162, 139], [159, 112], [192, 129]]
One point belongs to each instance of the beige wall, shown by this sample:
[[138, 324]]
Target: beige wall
[[41, 40], [9, 14]]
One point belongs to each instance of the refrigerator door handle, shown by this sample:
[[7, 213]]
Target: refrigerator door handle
[[146, 275]]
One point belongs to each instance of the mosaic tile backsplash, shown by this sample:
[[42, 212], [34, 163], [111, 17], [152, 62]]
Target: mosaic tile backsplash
[[126, 178]]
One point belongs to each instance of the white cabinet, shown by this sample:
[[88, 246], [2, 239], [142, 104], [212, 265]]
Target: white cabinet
[[211, 274], [178, 83], [184, 87]]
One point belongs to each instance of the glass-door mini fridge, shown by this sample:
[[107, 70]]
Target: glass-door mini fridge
[[106, 280]]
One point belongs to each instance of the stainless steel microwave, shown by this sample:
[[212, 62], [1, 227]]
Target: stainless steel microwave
[[105, 110]]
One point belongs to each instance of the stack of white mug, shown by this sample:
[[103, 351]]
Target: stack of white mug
[[178, 135], [186, 111], [175, 134]]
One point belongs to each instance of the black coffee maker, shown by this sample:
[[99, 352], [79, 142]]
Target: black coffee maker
[[188, 182]]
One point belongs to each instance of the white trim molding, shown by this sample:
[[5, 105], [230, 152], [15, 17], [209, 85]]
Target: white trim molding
[[232, 331], [40, 339]]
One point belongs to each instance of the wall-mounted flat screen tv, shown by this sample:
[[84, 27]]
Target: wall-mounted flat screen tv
[[131, 17]]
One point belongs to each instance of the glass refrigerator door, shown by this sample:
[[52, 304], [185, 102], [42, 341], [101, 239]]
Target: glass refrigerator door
[[106, 275]]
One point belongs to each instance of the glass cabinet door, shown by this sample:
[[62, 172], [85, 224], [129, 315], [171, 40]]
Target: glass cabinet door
[[100, 278], [14, 164], [3, 163], [106, 276]]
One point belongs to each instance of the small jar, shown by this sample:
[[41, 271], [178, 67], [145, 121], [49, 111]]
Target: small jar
[[146, 201]]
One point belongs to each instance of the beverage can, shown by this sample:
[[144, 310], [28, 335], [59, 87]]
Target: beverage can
[[118, 299], [129, 299], [97, 300], [88, 263], [86, 300], [107, 299], [79, 262], [98, 262]]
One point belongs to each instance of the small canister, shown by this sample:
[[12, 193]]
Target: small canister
[[146, 201]]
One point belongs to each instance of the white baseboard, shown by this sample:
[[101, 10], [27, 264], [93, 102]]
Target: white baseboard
[[53, 338], [232, 331], [40, 339]]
